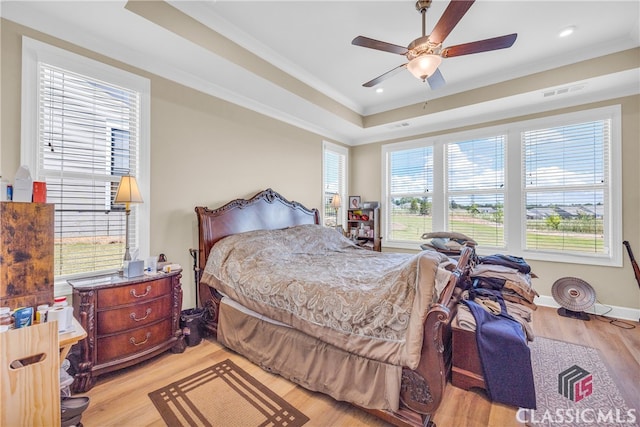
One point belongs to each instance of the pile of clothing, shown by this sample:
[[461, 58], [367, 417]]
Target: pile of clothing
[[498, 306], [509, 275], [447, 242]]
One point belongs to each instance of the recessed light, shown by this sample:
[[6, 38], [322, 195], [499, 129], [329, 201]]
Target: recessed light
[[567, 31], [379, 90]]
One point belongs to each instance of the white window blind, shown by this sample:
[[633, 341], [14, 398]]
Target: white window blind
[[88, 138], [410, 193], [475, 189], [544, 189], [334, 182], [566, 187]]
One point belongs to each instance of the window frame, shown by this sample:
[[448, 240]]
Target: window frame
[[514, 192], [33, 52], [342, 151]]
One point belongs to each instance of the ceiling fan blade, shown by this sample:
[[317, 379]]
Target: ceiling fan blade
[[486, 45], [384, 76], [378, 45], [449, 19], [436, 81]]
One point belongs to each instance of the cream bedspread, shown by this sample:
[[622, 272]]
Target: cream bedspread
[[313, 279]]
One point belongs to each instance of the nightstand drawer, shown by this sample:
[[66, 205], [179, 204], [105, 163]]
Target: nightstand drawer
[[133, 341], [133, 294], [133, 316]]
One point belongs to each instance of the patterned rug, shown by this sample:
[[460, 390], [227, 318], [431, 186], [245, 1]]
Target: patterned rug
[[223, 395], [574, 388]]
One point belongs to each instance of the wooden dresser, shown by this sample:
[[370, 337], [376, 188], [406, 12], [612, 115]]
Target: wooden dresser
[[127, 320]]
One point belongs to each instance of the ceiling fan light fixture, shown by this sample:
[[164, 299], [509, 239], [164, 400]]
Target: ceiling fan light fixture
[[424, 66]]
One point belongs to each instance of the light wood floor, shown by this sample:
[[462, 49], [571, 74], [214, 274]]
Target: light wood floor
[[120, 398]]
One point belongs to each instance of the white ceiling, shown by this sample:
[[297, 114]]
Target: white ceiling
[[311, 41]]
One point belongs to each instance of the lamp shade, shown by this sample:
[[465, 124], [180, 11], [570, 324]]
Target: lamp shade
[[424, 66], [128, 191], [336, 201]]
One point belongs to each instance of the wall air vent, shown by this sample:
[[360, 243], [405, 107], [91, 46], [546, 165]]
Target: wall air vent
[[398, 125], [563, 90]]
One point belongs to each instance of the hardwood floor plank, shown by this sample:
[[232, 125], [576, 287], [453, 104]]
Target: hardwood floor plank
[[120, 398]]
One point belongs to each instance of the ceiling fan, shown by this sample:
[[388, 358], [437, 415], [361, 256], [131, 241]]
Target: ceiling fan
[[425, 53]]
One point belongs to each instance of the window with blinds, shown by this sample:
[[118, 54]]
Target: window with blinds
[[334, 183], [544, 189], [88, 140], [475, 189], [410, 193], [566, 187]]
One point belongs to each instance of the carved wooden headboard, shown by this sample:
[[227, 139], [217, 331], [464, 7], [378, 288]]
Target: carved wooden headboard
[[267, 210]]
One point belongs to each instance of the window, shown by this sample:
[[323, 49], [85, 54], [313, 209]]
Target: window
[[84, 126], [475, 189], [410, 195], [546, 189], [566, 187], [334, 183]]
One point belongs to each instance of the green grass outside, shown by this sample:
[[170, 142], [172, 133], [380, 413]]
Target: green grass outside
[[411, 227], [72, 257]]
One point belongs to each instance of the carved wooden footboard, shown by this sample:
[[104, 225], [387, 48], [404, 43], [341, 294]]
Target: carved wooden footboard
[[422, 389]]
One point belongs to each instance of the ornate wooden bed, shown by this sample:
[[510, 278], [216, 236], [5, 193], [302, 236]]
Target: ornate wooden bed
[[421, 389]]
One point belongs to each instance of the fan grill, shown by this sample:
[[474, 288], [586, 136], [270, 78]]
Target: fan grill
[[573, 294]]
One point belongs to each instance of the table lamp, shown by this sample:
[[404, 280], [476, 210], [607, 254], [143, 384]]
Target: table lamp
[[127, 193], [336, 202]]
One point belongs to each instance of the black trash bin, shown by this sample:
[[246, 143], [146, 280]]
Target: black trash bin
[[191, 324]]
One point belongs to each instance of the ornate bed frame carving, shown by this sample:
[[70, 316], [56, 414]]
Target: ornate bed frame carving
[[422, 389]]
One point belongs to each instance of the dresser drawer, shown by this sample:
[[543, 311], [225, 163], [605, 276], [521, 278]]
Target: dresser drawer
[[133, 316], [133, 341], [133, 294]]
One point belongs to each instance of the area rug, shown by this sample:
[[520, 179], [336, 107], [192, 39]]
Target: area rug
[[223, 395], [574, 388]]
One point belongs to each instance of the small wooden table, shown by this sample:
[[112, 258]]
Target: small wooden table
[[127, 319], [68, 339]]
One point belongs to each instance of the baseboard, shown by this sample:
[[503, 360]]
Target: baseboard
[[625, 313]]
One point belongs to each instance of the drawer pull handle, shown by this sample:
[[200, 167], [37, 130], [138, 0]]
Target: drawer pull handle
[[133, 292], [147, 313], [132, 340]]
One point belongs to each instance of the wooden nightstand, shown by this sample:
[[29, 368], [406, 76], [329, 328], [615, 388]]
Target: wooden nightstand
[[127, 320]]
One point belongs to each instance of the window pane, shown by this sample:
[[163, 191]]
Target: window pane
[[480, 217], [476, 164], [564, 180], [412, 171], [473, 167], [566, 156], [410, 218], [88, 131], [569, 221], [334, 184], [411, 182]]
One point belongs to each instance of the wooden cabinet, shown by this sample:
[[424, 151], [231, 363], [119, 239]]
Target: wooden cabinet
[[363, 225], [30, 370], [26, 254], [127, 320]]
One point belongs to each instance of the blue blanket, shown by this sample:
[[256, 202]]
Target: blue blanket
[[505, 356]]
